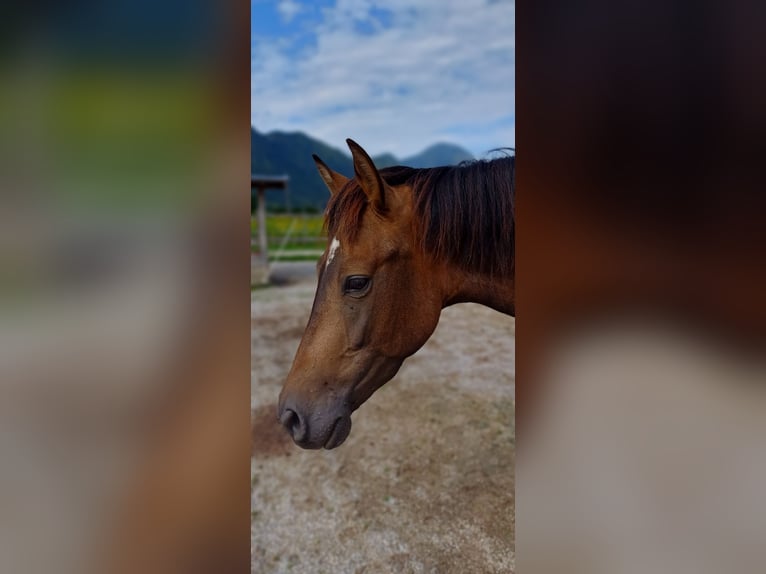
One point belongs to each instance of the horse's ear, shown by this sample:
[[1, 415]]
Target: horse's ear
[[368, 176], [332, 179]]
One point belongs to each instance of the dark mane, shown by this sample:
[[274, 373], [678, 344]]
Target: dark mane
[[464, 214]]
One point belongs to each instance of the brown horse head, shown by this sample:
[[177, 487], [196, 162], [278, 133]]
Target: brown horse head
[[373, 307], [379, 296]]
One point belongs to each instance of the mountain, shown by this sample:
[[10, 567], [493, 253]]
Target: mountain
[[278, 153], [433, 156], [438, 154], [385, 160]]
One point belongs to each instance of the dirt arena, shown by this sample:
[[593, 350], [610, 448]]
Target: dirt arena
[[425, 481]]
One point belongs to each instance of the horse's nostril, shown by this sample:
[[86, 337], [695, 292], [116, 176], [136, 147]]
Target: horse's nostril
[[289, 419], [293, 423]]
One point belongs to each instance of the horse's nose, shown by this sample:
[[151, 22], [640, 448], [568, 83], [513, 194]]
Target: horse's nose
[[294, 423]]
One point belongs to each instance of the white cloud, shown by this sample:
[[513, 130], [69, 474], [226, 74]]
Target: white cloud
[[288, 9], [431, 71]]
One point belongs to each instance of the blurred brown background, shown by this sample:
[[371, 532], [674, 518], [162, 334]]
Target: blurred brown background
[[640, 282], [124, 379]]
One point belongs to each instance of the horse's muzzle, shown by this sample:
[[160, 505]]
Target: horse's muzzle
[[315, 428]]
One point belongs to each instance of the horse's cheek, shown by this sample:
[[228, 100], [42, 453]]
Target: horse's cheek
[[415, 325], [356, 317]]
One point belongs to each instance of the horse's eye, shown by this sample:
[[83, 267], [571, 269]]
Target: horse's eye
[[356, 283]]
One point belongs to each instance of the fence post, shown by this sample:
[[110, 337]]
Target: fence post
[[262, 225]]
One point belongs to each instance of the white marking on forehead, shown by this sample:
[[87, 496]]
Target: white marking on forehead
[[333, 248]]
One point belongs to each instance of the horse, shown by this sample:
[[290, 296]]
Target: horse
[[406, 243]]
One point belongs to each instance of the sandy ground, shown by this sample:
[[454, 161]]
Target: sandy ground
[[425, 481]]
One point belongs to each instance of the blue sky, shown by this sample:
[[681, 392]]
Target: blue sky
[[394, 75]]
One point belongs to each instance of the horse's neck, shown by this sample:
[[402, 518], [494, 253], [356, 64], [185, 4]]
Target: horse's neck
[[464, 287]]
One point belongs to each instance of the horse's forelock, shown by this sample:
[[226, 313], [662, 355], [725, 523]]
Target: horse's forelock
[[345, 210]]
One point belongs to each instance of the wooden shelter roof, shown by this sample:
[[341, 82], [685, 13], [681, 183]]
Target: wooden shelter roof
[[271, 181]]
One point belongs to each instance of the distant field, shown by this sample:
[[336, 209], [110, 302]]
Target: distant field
[[306, 235]]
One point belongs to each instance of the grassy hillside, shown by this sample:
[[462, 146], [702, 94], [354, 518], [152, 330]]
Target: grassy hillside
[[291, 236]]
